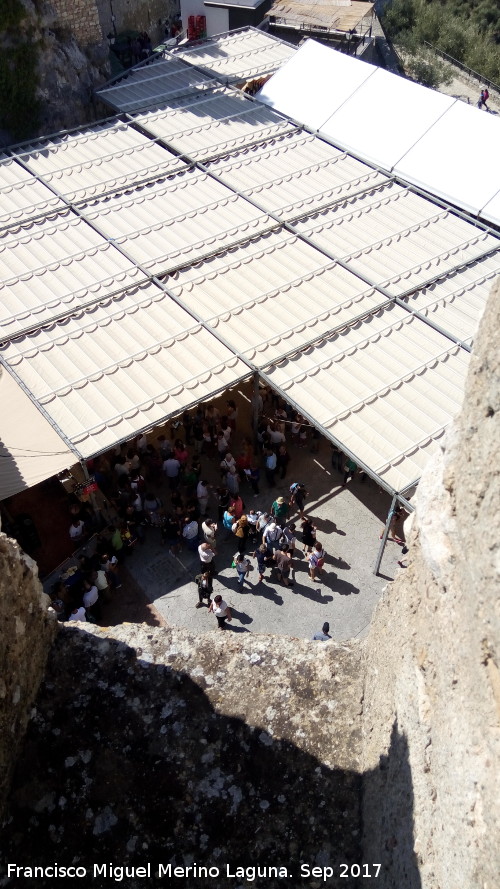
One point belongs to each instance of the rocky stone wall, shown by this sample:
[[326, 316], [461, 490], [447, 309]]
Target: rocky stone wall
[[82, 19], [432, 816], [26, 633], [153, 745]]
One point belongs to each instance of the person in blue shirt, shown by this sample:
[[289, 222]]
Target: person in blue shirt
[[325, 633]]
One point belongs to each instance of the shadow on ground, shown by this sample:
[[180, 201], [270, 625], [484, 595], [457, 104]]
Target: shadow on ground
[[127, 761]]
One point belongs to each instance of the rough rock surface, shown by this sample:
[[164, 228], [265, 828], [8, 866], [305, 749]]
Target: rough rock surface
[[67, 74], [154, 745], [26, 631], [432, 662]]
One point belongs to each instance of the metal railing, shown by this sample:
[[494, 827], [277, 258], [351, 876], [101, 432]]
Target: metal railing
[[469, 71]]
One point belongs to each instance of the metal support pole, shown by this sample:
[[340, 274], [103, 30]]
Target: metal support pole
[[255, 411], [385, 535]]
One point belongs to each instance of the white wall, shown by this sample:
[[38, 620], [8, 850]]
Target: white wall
[[217, 19]]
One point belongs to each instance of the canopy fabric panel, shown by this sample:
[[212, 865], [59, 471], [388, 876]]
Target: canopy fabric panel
[[210, 124], [272, 295], [435, 142], [53, 265], [394, 111], [158, 81], [22, 195], [289, 89], [395, 238], [26, 459], [89, 163], [455, 159], [238, 55], [163, 225], [457, 301], [122, 366], [385, 387], [295, 174]]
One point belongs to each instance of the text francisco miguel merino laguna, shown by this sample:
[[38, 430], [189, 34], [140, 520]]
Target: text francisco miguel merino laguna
[[121, 872]]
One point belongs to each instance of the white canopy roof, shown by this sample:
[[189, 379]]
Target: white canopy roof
[[437, 143], [30, 449], [135, 283]]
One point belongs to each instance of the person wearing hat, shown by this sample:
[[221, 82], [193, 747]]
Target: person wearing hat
[[279, 510], [324, 636]]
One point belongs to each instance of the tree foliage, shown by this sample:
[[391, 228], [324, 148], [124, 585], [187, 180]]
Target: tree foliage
[[467, 30]]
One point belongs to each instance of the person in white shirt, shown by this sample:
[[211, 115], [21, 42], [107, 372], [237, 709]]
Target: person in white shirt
[[207, 555], [202, 494], [209, 528], [221, 610], [77, 530], [90, 596], [78, 614], [228, 463]]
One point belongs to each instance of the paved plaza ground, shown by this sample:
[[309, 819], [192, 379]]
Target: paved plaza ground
[[349, 521]]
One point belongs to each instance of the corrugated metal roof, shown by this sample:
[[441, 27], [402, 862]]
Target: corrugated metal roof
[[295, 174], [89, 162], [395, 238], [456, 302], [22, 196], [121, 366], [272, 295], [54, 265], [30, 449], [386, 387], [213, 123], [163, 225], [238, 55], [154, 84]]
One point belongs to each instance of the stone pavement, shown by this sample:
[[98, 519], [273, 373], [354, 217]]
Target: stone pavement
[[349, 521]]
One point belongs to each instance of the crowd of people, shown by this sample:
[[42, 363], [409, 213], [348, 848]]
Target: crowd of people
[[163, 483]]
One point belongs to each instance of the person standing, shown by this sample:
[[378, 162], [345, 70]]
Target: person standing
[[298, 495], [172, 468], [202, 494], [221, 610], [243, 568], [261, 555], [279, 510], [241, 530], [483, 98], [209, 529], [349, 469], [190, 533], [316, 561], [324, 636], [205, 588], [282, 460], [270, 466], [308, 535], [283, 561], [207, 555], [271, 537], [289, 535]]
